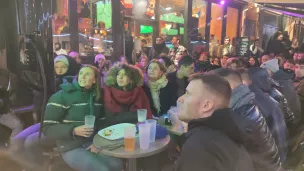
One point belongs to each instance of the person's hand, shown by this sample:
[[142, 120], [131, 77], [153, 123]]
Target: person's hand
[[83, 131], [93, 149]]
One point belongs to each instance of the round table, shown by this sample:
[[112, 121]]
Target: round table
[[158, 146]]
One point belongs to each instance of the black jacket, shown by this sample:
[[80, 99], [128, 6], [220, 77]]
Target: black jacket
[[288, 113], [287, 89], [255, 133], [165, 96], [214, 144], [172, 77]]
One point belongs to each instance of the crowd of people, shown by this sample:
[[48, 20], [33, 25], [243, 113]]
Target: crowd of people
[[242, 114]]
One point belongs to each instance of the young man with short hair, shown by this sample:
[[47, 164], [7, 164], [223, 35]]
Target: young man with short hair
[[180, 77], [213, 140], [299, 84]]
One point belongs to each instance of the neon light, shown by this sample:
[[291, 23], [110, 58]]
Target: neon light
[[222, 2]]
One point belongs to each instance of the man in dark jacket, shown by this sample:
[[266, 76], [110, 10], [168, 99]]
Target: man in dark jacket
[[299, 84], [255, 133], [213, 140], [180, 77], [159, 48], [286, 87]]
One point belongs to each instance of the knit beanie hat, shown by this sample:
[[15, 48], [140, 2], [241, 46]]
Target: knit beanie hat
[[62, 59], [99, 56], [272, 65]]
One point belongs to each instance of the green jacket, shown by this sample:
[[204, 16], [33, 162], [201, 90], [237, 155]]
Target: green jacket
[[66, 110]]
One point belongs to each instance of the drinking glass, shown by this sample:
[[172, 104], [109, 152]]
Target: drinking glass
[[144, 136], [152, 124], [142, 115], [89, 121], [129, 138]]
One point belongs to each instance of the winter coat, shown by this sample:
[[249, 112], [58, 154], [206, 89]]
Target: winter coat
[[165, 96], [214, 144], [274, 117], [153, 54], [288, 113], [287, 89], [202, 66], [299, 87], [172, 77], [255, 133], [66, 110]]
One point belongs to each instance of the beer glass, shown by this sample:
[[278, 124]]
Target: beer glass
[[142, 115], [89, 121], [129, 138]]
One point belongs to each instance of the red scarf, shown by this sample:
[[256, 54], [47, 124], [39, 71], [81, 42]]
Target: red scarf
[[136, 98]]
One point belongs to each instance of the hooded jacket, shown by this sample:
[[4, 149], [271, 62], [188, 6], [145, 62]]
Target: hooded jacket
[[66, 110], [255, 133], [214, 144]]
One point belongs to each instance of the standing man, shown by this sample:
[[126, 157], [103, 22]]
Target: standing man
[[159, 48], [180, 77], [226, 49], [299, 84], [177, 48], [213, 140]]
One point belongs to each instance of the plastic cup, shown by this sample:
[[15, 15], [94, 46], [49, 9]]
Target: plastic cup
[[144, 136], [129, 138], [152, 124], [89, 121], [142, 115]]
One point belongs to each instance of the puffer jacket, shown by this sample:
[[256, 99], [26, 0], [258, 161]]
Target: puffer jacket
[[287, 89], [66, 110], [255, 133], [288, 113]]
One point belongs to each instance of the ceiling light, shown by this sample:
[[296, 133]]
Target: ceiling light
[[168, 8]]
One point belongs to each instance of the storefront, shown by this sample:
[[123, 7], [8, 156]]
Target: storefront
[[109, 27]]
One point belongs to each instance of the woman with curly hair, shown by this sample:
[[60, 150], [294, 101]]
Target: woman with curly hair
[[123, 94]]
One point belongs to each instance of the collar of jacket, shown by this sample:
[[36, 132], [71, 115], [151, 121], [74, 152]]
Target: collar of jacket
[[281, 75], [220, 120]]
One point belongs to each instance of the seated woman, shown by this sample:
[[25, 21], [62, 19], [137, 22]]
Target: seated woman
[[123, 95], [64, 121], [158, 89]]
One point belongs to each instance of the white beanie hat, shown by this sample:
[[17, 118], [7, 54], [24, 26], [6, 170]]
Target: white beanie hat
[[62, 59], [272, 65], [99, 56]]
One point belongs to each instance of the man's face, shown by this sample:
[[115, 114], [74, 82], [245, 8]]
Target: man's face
[[288, 65], [299, 70], [280, 37], [174, 41], [257, 43], [252, 61], [224, 61], [193, 102], [159, 41], [188, 70], [227, 41]]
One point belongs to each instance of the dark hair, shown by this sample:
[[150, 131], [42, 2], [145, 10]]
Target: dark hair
[[144, 41], [167, 60], [185, 61], [132, 72], [177, 38], [290, 61], [257, 64], [227, 72], [216, 85], [59, 44], [260, 79], [300, 61], [238, 61], [277, 34]]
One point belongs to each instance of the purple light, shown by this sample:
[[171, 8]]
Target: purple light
[[222, 2]]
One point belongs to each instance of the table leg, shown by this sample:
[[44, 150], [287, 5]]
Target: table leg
[[131, 165]]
